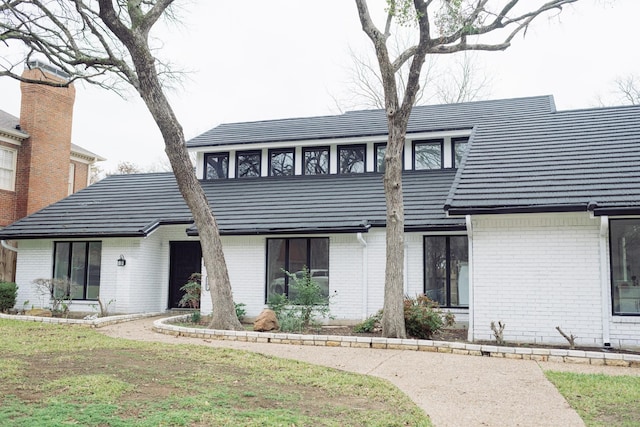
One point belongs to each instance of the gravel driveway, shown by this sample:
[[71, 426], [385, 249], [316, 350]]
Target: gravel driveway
[[454, 390]]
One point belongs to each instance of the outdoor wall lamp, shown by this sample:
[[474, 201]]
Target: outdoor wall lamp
[[121, 261]]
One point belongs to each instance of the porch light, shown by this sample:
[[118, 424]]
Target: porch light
[[121, 261]]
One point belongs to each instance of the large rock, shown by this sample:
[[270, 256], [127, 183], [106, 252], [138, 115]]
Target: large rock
[[266, 321]]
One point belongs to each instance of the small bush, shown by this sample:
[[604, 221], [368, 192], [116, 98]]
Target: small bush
[[423, 317], [196, 317], [308, 302], [8, 295], [370, 324], [57, 292], [191, 289], [240, 310]]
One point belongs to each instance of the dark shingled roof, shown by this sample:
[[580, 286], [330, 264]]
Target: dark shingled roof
[[428, 118], [9, 122], [134, 205], [561, 162]]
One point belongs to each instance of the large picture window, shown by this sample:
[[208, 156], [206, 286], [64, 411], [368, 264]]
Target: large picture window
[[248, 164], [625, 266], [427, 154], [216, 165], [281, 162], [352, 158], [446, 270], [316, 160], [79, 262], [293, 255]]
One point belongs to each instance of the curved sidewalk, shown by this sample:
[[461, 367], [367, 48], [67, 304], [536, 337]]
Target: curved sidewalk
[[454, 390]]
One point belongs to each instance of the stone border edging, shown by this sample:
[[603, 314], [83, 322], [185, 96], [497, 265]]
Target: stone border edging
[[94, 323], [524, 353]]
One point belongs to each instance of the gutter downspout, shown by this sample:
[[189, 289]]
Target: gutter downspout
[[471, 268], [8, 246], [604, 280], [365, 276]]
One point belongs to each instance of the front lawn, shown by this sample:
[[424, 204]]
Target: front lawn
[[58, 375], [601, 400]]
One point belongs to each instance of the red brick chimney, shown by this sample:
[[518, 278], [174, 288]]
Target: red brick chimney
[[46, 114]]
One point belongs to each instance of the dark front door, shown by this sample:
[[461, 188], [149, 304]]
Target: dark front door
[[185, 259]]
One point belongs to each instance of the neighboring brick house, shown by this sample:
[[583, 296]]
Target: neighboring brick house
[[38, 163], [514, 212]]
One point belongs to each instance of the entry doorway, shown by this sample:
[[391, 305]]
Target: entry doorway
[[185, 258]]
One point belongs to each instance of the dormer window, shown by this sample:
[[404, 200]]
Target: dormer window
[[316, 160], [281, 162], [216, 165], [352, 158], [458, 147], [428, 154], [248, 164]]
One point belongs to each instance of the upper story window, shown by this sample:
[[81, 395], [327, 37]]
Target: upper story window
[[458, 147], [216, 165], [378, 153], [281, 162], [316, 160], [352, 158], [7, 168], [625, 266], [427, 154], [248, 164]]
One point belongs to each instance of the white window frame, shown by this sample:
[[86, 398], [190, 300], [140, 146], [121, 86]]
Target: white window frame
[[12, 186]]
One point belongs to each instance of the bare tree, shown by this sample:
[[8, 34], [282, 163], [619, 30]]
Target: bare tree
[[629, 89], [126, 168], [108, 43], [460, 81], [444, 27]]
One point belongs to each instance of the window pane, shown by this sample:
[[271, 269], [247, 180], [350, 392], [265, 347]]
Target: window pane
[[352, 159], [427, 155], [276, 262], [319, 264], [459, 271], [248, 164], [281, 163], [93, 278], [316, 161], [435, 271], [78, 269], [380, 150], [7, 171], [625, 265], [459, 147], [61, 260], [217, 165]]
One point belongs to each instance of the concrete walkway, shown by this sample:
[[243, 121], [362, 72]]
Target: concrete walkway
[[454, 390]]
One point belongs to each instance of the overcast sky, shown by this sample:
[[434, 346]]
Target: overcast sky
[[260, 60]]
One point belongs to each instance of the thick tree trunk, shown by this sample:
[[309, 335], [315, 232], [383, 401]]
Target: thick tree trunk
[[148, 85], [393, 311]]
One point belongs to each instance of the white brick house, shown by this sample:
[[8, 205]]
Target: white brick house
[[514, 213]]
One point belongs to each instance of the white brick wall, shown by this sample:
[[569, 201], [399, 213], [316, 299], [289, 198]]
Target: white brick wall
[[535, 272]]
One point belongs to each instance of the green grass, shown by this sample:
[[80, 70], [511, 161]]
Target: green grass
[[59, 375], [601, 400]]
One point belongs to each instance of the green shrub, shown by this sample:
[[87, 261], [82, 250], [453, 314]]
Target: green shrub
[[196, 317], [240, 310], [191, 289], [8, 295], [307, 303], [423, 317], [370, 324]]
